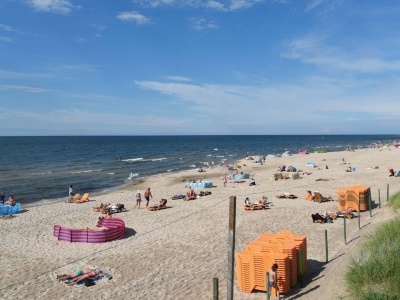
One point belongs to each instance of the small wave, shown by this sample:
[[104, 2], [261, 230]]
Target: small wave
[[157, 159], [220, 156], [192, 166], [112, 173], [208, 154], [85, 171], [216, 149], [39, 173], [132, 159], [131, 176]]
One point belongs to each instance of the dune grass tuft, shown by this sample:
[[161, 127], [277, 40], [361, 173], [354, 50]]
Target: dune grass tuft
[[394, 201], [374, 272]]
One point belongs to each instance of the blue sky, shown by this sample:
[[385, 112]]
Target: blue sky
[[174, 67]]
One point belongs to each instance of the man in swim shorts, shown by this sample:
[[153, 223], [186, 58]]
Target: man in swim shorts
[[147, 195], [273, 279]]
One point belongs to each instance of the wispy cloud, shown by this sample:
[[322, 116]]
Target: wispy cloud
[[178, 78], [20, 75], [53, 6], [28, 89], [202, 24], [221, 5], [323, 100], [133, 17], [316, 51], [314, 3], [6, 39], [81, 121], [324, 5], [7, 28]]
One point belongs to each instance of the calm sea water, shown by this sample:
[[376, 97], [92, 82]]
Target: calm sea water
[[40, 169]]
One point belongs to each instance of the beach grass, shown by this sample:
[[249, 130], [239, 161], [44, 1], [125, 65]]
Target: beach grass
[[374, 272], [394, 201]]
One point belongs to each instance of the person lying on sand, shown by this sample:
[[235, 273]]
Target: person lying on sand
[[66, 276], [310, 196], [91, 275]]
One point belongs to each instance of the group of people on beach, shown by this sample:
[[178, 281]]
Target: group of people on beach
[[147, 195], [11, 199]]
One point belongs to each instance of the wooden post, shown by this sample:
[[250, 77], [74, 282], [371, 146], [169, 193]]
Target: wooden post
[[379, 197], [359, 216], [344, 226], [369, 204], [231, 250], [215, 289], [387, 193], [268, 287], [326, 245]]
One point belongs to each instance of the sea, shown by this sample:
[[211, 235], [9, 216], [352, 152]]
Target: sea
[[39, 170]]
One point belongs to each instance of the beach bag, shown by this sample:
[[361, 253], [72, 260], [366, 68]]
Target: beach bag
[[88, 282]]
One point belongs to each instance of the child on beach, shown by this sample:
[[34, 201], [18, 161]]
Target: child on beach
[[273, 279], [138, 199]]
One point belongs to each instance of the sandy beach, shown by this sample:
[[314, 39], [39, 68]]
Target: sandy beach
[[175, 253]]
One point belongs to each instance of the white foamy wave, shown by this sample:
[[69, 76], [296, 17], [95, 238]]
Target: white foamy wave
[[216, 149], [85, 171], [192, 166], [132, 159], [158, 159], [39, 173], [131, 176], [112, 173], [220, 156], [208, 154]]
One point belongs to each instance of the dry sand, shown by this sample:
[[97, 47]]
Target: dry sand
[[175, 253]]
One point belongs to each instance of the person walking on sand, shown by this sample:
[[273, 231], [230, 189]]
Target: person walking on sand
[[3, 198], [147, 195], [138, 199], [273, 279]]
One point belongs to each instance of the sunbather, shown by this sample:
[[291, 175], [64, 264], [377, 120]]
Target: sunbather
[[63, 277], [310, 196], [91, 275], [247, 202]]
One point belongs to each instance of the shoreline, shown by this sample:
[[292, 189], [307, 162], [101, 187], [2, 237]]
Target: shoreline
[[175, 253], [139, 181]]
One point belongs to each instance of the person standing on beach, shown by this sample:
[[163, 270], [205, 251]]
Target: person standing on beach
[[138, 199], [147, 195], [273, 279], [70, 191], [3, 198]]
